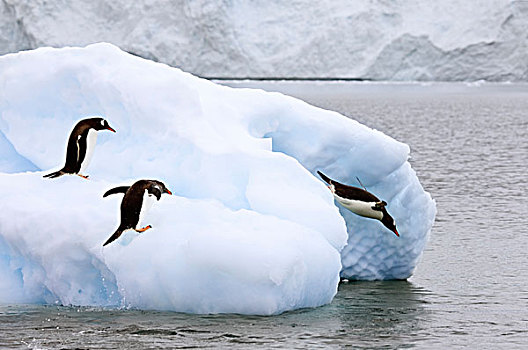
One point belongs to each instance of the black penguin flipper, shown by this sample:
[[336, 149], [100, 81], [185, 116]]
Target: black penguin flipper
[[72, 154], [54, 174], [119, 189], [113, 237], [83, 147]]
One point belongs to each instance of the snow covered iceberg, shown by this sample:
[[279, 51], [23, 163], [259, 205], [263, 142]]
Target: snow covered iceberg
[[249, 229]]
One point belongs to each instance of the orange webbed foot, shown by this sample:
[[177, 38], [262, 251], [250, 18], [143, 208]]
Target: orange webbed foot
[[144, 228]]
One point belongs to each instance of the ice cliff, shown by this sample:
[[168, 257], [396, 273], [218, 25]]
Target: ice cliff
[[382, 40], [249, 228]]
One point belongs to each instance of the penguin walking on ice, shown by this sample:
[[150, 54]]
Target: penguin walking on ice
[[137, 201], [80, 147], [361, 202]]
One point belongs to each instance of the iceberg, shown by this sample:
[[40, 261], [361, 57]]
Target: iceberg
[[249, 229]]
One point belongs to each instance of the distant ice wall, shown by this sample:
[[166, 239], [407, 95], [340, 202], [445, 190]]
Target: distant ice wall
[[381, 40]]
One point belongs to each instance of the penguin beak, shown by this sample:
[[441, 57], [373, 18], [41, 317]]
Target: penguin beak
[[396, 232], [169, 192], [111, 129]]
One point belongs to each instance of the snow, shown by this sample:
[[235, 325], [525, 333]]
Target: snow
[[381, 40], [250, 229]]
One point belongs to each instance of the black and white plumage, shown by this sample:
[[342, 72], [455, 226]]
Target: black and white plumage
[[361, 202], [81, 144], [137, 201]]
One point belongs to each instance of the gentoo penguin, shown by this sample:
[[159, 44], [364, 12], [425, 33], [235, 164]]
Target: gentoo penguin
[[361, 202], [137, 201], [80, 146]]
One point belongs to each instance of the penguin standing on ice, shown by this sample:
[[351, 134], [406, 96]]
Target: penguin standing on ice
[[137, 201], [361, 202], [81, 145]]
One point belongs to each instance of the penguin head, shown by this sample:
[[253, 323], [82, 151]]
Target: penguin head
[[99, 124], [163, 188], [388, 221], [157, 188]]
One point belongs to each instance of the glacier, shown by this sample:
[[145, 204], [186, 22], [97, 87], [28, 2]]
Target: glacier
[[249, 229], [378, 40]]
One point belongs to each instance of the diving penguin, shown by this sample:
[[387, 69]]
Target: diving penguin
[[361, 202], [80, 147], [136, 202]]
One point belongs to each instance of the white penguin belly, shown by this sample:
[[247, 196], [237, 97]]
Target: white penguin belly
[[91, 140], [146, 204], [360, 207]]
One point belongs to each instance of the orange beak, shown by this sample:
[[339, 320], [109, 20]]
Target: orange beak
[[110, 128], [396, 232], [169, 192]]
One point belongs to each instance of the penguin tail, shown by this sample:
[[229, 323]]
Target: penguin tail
[[324, 177], [113, 237], [54, 174]]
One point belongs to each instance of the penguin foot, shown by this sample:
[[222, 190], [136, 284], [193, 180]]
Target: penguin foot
[[144, 228], [84, 176]]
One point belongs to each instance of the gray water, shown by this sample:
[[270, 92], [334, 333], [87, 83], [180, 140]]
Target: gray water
[[469, 147]]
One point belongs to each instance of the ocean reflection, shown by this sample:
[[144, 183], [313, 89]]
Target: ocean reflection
[[363, 314], [381, 313]]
